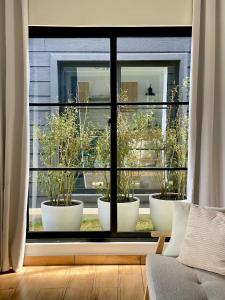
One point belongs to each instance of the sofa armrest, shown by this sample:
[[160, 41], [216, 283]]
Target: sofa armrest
[[161, 235]]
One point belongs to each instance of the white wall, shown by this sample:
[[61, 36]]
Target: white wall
[[110, 12]]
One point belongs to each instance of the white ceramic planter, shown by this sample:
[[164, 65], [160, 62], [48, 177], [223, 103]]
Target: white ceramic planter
[[161, 213], [127, 215], [62, 218]]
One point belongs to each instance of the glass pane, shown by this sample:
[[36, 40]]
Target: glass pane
[[153, 69], [136, 211], [152, 136], [68, 201], [69, 70], [69, 137]]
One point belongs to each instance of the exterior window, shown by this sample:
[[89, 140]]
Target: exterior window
[[109, 128], [84, 82]]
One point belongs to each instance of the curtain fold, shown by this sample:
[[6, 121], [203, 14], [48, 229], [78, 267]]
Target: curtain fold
[[206, 157], [14, 128]]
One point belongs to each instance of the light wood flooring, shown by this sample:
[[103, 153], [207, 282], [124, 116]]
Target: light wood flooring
[[87, 282]]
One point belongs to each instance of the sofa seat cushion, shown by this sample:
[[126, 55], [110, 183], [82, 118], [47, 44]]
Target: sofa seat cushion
[[170, 280]]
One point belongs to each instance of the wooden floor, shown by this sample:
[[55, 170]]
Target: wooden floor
[[105, 282]]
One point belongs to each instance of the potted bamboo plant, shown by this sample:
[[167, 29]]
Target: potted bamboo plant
[[172, 147], [61, 144], [130, 131]]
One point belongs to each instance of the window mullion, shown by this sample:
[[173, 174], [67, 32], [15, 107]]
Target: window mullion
[[113, 91]]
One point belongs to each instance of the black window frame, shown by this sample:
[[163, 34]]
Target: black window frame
[[112, 33]]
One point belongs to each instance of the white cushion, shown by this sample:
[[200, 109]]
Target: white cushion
[[204, 242], [179, 224], [180, 217]]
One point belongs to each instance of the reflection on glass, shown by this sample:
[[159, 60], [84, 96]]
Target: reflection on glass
[[67, 136], [66, 190]]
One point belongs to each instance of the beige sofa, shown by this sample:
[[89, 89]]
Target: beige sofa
[[167, 279]]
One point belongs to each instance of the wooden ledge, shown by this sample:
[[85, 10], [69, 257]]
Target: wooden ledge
[[84, 260]]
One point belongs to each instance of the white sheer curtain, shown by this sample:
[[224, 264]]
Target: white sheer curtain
[[13, 132], [206, 176]]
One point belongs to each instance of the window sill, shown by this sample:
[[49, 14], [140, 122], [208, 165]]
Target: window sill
[[89, 248]]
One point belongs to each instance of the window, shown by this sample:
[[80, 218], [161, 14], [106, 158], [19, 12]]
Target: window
[[108, 120]]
